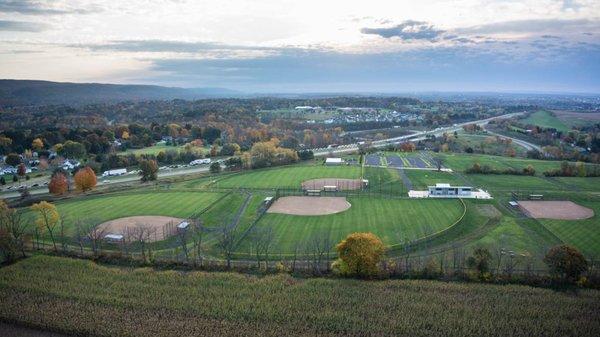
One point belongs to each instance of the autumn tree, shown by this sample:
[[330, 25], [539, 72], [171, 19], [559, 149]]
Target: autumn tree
[[359, 255], [13, 232], [21, 170], [565, 263], [148, 170], [47, 218], [85, 179], [37, 144], [58, 184]]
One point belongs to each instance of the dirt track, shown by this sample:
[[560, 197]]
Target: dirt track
[[309, 205], [561, 210]]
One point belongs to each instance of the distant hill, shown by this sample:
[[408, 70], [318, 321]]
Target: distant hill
[[26, 92]]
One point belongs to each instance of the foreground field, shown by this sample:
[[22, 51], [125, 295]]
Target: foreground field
[[393, 220], [87, 299], [98, 209]]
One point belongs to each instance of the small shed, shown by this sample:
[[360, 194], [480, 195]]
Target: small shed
[[333, 161], [183, 225]]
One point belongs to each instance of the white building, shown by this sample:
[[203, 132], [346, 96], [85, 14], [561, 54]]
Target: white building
[[333, 161], [200, 161], [445, 190], [442, 190]]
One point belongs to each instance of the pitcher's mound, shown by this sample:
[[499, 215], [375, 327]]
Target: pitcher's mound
[[561, 210], [156, 227], [342, 184], [309, 205]]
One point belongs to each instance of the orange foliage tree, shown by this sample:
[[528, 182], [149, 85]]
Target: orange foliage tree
[[58, 184], [359, 255], [85, 179]]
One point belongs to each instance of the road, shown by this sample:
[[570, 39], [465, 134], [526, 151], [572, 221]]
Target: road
[[412, 137], [106, 181], [525, 144]]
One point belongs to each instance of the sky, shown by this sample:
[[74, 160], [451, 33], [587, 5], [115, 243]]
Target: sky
[[272, 46]]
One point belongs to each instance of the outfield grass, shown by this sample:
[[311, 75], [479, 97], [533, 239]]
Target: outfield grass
[[583, 234], [286, 177], [98, 209], [498, 182], [82, 298], [591, 184], [393, 220], [545, 119], [420, 179]]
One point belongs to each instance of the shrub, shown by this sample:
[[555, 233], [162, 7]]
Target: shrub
[[480, 261]]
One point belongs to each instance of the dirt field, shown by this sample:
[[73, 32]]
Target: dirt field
[[157, 225], [562, 210], [309, 205], [342, 184]]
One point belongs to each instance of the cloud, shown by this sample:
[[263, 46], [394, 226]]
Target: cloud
[[22, 26], [407, 30], [30, 7], [532, 26], [157, 46]]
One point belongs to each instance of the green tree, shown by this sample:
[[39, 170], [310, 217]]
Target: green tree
[[215, 167], [71, 149], [480, 261], [566, 263], [148, 170]]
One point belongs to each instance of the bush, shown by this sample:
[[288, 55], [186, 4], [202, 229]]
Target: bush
[[565, 263], [480, 261], [359, 255], [215, 167]]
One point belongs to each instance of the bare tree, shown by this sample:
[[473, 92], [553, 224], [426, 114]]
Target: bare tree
[[182, 236], [439, 162], [80, 234], [262, 239], [226, 242], [197, 236], [142, 233], [95, 235], [13, 232], [319, 247]]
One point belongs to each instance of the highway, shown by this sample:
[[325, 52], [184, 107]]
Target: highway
[[413, 137]]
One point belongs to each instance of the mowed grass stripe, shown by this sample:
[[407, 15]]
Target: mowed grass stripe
[[289, 177], [103, 208], [393, 220]]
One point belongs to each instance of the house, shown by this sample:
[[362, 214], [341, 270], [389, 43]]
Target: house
[[115, 172], [70, 164], [113, 237], [333, 161]]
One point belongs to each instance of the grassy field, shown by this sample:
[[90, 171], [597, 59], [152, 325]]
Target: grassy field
[[80, 297], [495, 182], [393, 220], [98, 209], [289, 177], [154, 149], [462, 161], [583, 234], [421, 179], [546, 119]]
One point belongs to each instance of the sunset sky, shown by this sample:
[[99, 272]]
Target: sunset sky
[[307, 46]]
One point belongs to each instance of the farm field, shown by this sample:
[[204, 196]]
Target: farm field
[[98, 209], [286, 177], [85, 298], [546, 119], [393, 220]]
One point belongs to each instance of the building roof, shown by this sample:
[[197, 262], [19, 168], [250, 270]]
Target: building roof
[[183, 225], [445, 185], [333, 160]]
